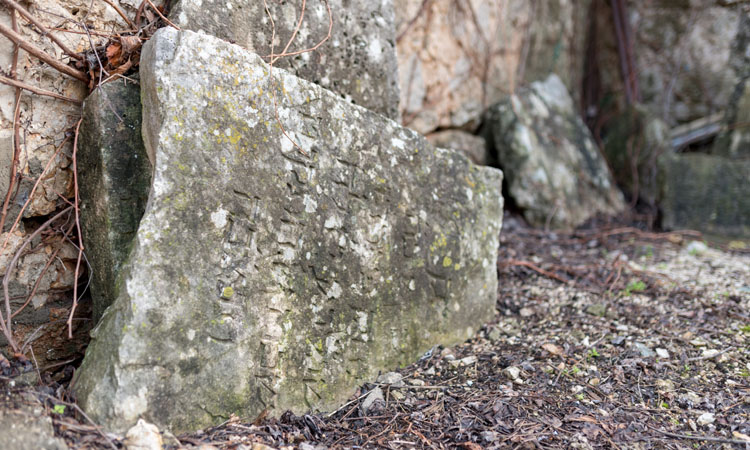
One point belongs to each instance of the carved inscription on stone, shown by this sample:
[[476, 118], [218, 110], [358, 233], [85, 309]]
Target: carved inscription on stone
[[288, 262]]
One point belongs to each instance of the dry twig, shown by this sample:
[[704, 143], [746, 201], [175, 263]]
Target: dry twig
[[41, 54]]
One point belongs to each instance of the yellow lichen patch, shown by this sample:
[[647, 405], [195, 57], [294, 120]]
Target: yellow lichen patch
[[439, 242], [470, 182], [447, 261]]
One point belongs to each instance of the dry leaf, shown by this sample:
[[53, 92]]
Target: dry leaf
[[553, 349], [130, 44], [122, 68]]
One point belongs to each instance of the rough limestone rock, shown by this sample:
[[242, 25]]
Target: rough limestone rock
[[472, 146], [706, 192], [115, 177], [358, 61], [553, 169], [263, 277], [458, 57]]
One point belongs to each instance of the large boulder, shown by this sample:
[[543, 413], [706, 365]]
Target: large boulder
[[280, 263], [358, 61], [554, 171], [115, 178]]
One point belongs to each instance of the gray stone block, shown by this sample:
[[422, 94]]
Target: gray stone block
[[262, 277], [707, 193], [555, 173], [358, 62], [114, 176]]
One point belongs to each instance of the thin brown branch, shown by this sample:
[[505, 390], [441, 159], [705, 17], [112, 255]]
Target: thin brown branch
[[535, 268], [16, 129], [294, 33], [310, 49], [85, 416], [39, 278], [78, 231], [121, 13], [42, 29], [702, 438], [31, 194], [169, 22], [36, 90], [39, 53], [7, 326], [273, 81]]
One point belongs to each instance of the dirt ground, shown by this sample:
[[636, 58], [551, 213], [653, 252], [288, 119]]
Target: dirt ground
[[607, 337]]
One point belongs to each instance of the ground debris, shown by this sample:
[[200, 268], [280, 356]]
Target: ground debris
[[666, 365]]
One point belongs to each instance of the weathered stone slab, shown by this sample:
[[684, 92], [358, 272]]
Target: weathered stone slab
[[554, 171], [265, 278], [358, 61], [115, 177], [706, 192]]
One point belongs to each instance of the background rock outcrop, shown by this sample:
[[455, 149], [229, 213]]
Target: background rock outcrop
[[457, 57]]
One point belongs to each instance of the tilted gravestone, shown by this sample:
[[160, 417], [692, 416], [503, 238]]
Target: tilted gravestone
[[270, 276], [358, 61]]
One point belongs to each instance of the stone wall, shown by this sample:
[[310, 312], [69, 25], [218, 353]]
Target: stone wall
[[46, 127]]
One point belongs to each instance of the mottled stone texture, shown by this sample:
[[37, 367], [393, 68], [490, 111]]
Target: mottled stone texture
[[633, 143], [473, 147], [114, 176], [358, 61], [553, 168], [265, 278], [706, 192], [734, 141]]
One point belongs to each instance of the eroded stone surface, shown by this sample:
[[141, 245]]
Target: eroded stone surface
[[554, 171], [115, 177], [358, 61], [265, 278], [473, 147]]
